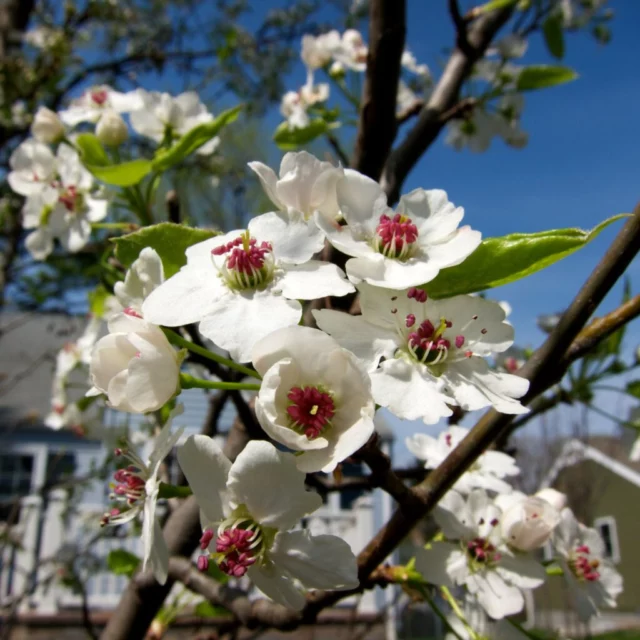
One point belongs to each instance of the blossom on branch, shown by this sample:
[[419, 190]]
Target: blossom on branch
[[434, 352], [243, 285], [398, 249], [315, 397], [247, 511], [144, 275], [97, 100]]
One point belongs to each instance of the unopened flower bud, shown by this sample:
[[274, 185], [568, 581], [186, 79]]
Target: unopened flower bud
[[47, 126], [555, 498], [112, 129], [529, 523]]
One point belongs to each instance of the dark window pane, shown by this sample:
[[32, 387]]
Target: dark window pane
[[605, 533]]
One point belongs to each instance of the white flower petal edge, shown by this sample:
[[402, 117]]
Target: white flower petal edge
[[144, 275], [262, 495]]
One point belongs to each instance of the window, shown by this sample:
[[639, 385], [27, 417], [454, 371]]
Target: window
[[60, 467], [349, 496], [606, 527], [15, 481]]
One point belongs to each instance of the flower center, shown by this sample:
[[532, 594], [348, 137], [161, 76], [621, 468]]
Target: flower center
[[128, 490], [583, 567], [395, 237], [71, 198], [248, 265], [311, 410], [481, 552], [239, 543], [99, 96]]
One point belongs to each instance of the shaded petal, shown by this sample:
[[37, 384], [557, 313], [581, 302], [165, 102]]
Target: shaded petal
[[392, 274], [277, 586], [314, 279], [432, 562], [269, 180], [361, 199]]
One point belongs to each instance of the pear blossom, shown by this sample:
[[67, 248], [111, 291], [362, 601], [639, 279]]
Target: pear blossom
[[90, 106], [527, 522], [475, 131], [474, 555], [33, 168], [295, 104], [135, 491], [111, 129], [315, 397], [317, 51], [47, 126], [247, 510], [163, 117], [510, 108], [243, 285], [556, 499], [510, 46], [434, 351], [409, 62], [487, 472], [305, 184], [352, 51], [397, 249], [65, 209], [144, 275], [135, 366], [592, 580]]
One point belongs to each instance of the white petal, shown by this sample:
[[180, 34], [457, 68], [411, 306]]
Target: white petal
[[432, 562], [39, 243], [345, 239], [361, 199], [157, 557], [392, 274], [409, 391], [368, 342], [454, 517], [206, 469], [268, 179], [268, 483], [312, 280], [497, 598], [277, 586], [454, 250], [318, 562], [522, 571]]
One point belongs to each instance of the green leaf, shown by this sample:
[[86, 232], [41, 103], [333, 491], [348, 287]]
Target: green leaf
[[505, 259], [168, 239], [122, 175], [97, 299], [554, 35], [290, 139], [492, 5], [633, 388], [122, 562], [205, 609], [542, 75], [91, 150], [193, 140], [214, 572], [172, 491]]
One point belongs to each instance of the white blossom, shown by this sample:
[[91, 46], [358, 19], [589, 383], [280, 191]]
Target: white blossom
[[317, 51], [592, 580], [90, 106], [135, 366], [305, 184], [295, 104], [434, 352], [475, 131], [527, 522], [163, 117], [555, 498], [315, 397], [243, 285], [473, 555], [510, 46], [136, 489], [111, 129], [47, 126], [398, 249], [43, 37], [487, 472], [247, 511], [352, 51], [143, 276], [409, 62], [33, 168]]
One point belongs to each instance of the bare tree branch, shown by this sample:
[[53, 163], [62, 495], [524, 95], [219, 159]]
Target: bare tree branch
[[444, 97], [377, 127]]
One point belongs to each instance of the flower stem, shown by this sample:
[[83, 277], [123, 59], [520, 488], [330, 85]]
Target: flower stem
[[118, 226], [436, 609], [179, 341], [455, 606], [189, 382]]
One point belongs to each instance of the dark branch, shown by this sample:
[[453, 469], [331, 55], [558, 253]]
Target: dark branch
[[462, 41]]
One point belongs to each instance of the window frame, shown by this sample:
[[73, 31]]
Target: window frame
[[609, 521]]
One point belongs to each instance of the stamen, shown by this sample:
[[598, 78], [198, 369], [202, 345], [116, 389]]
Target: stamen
[[311, 410], [395, 236]]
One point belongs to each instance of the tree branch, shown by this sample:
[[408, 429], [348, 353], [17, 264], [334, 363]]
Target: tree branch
[[444, 97], [377, 127]]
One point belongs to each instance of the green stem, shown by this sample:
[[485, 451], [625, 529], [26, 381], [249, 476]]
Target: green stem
[[436, 609], [622, 423], [189, 382], [119, 226], [179, 341], [606, 387], [522, 629], [453, 603]]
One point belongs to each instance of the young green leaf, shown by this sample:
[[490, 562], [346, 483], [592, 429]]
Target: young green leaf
[[97, 300], [91, 150], [205, 609], [122, 562], [168, 239], [492, 5], [290, 139], [554, 35], [193, 140], [505, 259], [633, 388], [122, 175], [542, 75]]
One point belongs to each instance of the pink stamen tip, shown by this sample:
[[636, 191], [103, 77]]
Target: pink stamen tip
[[468, 354], [118, 451], [203, 563], [311, 409], [447, 439], [130, 311], [207, 537], [459, 341], [483, 331], [99, 96], [410, 320]]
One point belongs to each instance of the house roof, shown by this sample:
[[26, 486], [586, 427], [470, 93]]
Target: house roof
[[29, 343], [604, 450]]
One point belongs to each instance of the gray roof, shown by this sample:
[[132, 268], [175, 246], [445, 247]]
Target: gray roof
[[29, 343]]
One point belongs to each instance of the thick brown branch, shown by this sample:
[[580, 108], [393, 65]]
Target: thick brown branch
[[377, 126], [444, 97]]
